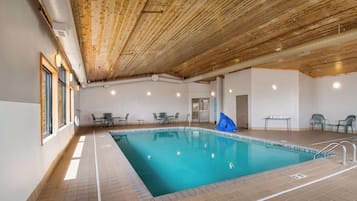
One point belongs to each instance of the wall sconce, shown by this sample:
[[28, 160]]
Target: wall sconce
[[58, 60], [336, 85], [70, 77], [212, 93], [230, 90], [274, 87], [148, 93], [113, 92], [178, 94]]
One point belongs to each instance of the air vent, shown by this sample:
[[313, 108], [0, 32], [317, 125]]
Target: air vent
[[61, 33], [60, 29]]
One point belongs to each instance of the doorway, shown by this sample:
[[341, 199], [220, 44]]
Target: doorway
[[242, 111], [200, 110]]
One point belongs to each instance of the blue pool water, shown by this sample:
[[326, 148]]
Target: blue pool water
[[171, 160]]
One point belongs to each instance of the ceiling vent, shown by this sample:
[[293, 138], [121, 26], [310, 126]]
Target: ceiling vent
[[60, 29]]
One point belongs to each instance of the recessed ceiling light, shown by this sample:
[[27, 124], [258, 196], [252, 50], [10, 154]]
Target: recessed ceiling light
[[274, 87], [336, 85]]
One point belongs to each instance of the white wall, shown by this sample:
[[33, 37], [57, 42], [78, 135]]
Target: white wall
[[265, 101], [306, 97], [335, 104], [24, 161], [298, 96], [240, 83], [132, 98]]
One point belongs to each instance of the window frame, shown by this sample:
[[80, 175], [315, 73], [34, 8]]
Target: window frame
[[47, 65], [71, 104], [48, 129], [62, 88]]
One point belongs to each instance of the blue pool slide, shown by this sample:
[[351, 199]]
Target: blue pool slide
[[226, 124]]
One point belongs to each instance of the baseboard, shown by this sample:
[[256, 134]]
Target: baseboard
[[36, 192], [277, 129]]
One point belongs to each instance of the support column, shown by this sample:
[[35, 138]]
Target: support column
[[219, 96]]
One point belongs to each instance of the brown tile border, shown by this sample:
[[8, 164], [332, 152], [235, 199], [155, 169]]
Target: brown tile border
[[119, 181]]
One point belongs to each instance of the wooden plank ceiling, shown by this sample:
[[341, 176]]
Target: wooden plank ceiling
[[185, 38]]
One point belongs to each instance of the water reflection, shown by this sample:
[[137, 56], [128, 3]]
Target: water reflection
[[166, 134]]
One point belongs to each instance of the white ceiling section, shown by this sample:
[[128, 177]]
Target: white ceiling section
[[61, 14]]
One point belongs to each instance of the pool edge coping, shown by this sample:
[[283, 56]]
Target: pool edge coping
[[196, 190]]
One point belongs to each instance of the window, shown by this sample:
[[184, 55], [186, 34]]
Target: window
[[61, 96], [46, 84], [56, 98], [48, 98]]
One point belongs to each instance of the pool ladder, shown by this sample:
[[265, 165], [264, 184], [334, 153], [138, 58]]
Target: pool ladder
[[188, 122], [334, 145]]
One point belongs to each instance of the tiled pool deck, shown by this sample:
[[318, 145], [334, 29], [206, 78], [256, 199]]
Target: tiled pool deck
[[116, 180]]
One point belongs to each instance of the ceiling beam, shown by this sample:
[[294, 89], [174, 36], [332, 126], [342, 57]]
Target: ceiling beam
[[111, 68], [297, 50]]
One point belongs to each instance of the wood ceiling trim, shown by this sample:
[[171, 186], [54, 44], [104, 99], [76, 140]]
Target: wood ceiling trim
[[246, 51], [123, 38], [155, 31], [319, 62], [84, 36], [205, 40], [111, 70]]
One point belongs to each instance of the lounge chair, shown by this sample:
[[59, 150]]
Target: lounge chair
[[163, 117], [99, 120], [125, 119], [348, 122], [175, 117], [156, 118], [317, 120], [108, 119]]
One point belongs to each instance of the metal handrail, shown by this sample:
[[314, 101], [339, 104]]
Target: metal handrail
[[334, 144], [354, 149], [188, 121]]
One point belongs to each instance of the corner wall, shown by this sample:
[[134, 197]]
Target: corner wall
[[240, 83], [266, 101], [132, 98], [24, 162], [335, 104], [306, 97]]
